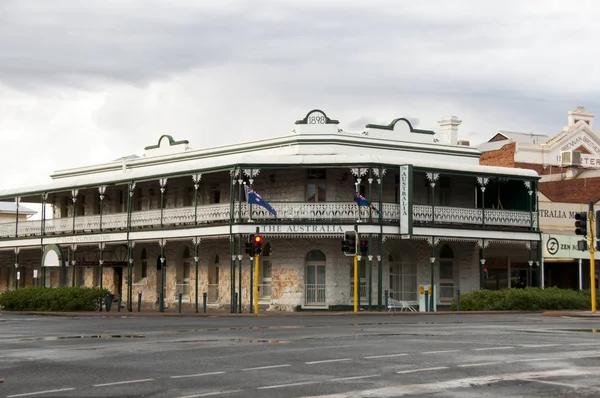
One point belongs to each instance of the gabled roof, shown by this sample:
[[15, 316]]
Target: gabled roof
[[521, 138]]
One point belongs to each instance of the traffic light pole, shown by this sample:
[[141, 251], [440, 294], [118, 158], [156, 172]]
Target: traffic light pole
[[592, 219], [356, 282], [255, 287]]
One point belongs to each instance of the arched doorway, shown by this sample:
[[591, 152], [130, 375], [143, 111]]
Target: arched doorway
[[315, 278], [403, 279]]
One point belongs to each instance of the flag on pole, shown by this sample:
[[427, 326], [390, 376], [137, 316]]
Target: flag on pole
[[362, 201], [255, 198]]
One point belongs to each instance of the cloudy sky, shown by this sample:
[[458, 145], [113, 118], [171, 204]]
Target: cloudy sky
[[86, 82]]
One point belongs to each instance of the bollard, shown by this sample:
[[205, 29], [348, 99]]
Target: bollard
[[139, 301], [119, 303], [426, 301], [457, 299], [204, 297], [108, 302], [386, 295], [235, 303], [179, 296]]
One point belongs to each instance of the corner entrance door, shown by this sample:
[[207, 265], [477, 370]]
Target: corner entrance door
[[315, 278]]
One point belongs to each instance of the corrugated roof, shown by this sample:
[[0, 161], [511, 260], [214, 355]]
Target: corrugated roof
[[10, 207], [525, 138]]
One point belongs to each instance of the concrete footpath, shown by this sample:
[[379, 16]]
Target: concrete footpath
[[188, 313]]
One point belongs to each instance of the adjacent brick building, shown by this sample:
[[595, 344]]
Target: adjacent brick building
[[569, 166]]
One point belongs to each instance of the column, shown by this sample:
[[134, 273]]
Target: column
[[369, 254], [240, 256], [102, 191], [433, 242], [44, 197], [101, 246], [130, 191], [580, 275], [73, 262], [379, 173], [130, 246], [74, 194], [250, 173], [163, 185], [196, 242], [17, 201], [482, 181], [196, 179], [17, 273], [163, 272], [482, 243], [530, 192], [432, 178]]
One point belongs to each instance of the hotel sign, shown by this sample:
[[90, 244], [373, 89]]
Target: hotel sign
[[405, 199], [301, 229]]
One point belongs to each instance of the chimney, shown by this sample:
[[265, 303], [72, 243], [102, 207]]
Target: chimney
[[580, 114], [449, 125]]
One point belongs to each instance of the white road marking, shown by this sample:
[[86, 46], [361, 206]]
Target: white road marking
[[468, 365], [290, 385], [584, 344], [267, 367], [208, 394], [439, 352], [328, 361], [354, 378], [539, 345], [555, 383], [492, 348], [536, 360], [39, 393], [385, 356], [197, 375], [122, 382], [421, 370], [467, 383]]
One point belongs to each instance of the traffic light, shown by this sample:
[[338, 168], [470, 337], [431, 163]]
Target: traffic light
[[248, 248], [257, 242], [364, 246], [581, 227], [349, 244], [582, 245]]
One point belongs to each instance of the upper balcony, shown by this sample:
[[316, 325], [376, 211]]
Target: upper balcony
[[288, 212]]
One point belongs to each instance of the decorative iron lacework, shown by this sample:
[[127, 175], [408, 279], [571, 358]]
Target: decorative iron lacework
[[289, 211]]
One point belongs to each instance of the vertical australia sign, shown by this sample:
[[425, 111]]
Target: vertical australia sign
[[404, 194]]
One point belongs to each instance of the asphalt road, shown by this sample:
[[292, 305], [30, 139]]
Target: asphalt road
[[499, 355]]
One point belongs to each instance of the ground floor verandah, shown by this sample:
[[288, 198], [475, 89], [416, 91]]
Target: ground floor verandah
[[294, 271]]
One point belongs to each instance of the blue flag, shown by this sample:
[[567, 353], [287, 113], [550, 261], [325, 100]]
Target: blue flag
[[256, 199], [362, 201]]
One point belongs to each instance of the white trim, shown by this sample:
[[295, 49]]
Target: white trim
[[480, 234]]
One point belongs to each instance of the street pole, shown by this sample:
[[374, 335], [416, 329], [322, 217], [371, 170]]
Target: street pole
[[592, 251], [355, 282], [256, 260]]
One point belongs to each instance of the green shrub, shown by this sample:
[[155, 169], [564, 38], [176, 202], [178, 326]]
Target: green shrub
[[52, 299], [528, 299]]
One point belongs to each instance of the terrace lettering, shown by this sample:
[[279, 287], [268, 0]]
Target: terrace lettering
[[557, 214], [309, 229]]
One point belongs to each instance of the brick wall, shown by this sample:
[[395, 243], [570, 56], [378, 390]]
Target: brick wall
[[503, 157], [578, 190]]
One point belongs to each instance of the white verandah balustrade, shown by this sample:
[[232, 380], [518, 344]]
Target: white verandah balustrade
[[288, 211]]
